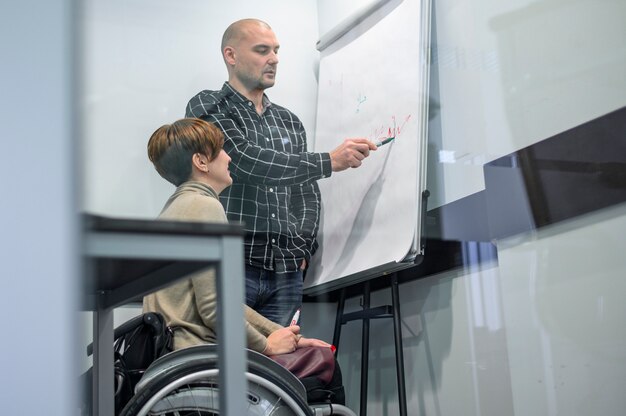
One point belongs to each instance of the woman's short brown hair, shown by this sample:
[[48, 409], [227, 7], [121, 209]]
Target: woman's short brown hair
[[172, 146]]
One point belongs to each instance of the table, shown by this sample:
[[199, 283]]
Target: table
[[128, 258]]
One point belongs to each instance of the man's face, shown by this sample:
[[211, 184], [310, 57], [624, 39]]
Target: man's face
[[255, 58]]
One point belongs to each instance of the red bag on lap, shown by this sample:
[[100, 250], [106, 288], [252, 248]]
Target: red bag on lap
[[309, 362]]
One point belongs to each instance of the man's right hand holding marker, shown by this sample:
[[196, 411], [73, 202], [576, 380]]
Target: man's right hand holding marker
[[350, 153]]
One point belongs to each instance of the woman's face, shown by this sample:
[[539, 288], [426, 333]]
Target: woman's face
[[218, 171]]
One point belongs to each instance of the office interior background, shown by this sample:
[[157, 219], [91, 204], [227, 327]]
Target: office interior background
[[521, 313]]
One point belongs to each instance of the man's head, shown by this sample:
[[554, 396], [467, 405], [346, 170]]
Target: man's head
[[173, 147], [250, 51]]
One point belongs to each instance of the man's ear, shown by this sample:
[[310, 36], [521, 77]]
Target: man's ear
[[229, 55], [200, 162]]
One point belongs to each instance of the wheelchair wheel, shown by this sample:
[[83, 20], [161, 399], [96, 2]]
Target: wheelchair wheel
[[191, 388]]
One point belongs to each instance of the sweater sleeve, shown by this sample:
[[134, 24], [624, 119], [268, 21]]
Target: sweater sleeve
[[256, 326], [260, 323]]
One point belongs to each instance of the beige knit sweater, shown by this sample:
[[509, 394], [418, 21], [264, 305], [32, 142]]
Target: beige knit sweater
[[190, 304]]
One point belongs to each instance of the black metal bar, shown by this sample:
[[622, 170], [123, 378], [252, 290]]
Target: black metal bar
[[338, 319], [397, 333], [385, 311], [365, 347], [425, 195]]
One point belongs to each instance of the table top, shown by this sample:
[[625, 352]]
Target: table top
[[135, 276], [99, 223]]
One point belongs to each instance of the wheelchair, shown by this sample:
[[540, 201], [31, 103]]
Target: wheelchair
[[185, 382]]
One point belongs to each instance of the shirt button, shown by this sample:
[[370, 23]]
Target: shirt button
[[249, 104], [271, 189], [267, 139], [273, 241], [273, 215]]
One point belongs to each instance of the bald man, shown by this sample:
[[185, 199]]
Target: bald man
[[274, 191]]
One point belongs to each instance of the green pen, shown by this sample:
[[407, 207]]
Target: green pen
[[387, 140]]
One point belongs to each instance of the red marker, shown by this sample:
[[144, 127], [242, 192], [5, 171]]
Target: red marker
[[296, 316]]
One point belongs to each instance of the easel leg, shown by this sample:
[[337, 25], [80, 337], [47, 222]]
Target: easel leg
[[397, 333], [365, 347]]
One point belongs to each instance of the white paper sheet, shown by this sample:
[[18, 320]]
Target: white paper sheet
[[371, 87]]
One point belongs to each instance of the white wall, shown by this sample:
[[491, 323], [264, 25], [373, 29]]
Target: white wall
[[512, 73], [143, 60], [563, 294], [541, 333]]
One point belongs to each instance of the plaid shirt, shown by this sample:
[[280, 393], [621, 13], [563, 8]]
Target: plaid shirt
[[274, 189]]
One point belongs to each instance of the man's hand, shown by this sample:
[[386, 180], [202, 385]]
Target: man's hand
[[350, 154], [282, 341]]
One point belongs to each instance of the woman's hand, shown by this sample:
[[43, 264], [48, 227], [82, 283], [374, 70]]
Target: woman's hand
[[312, 342], [282, 341]]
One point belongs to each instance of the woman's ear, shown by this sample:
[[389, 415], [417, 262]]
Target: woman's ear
[[200, 162]]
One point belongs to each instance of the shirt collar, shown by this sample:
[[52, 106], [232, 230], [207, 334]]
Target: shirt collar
[[229, 91]]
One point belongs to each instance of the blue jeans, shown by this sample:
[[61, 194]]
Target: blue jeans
[[277, 296]]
